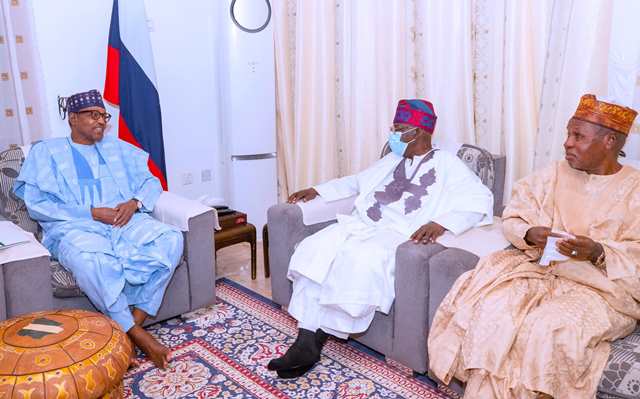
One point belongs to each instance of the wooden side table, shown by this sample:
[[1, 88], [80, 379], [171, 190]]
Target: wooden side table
[[235, 235]]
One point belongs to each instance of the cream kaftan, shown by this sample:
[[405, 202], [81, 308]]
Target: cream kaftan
[[511, 328]]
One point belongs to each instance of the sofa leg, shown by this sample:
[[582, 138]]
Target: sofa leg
[[265, 251]]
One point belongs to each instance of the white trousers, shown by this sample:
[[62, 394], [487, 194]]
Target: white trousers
[[339, 321]]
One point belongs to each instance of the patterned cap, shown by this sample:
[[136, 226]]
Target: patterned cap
[[418, 113], [78, 102], [612, 116]]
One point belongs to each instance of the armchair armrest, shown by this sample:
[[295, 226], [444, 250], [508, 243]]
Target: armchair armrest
[[411, 302], [23, 251], [444, 269], [424, 275], [318, 210], [461, 255], [480, 241], [25, 276], [177, 210], [286, 230], [199, 251]]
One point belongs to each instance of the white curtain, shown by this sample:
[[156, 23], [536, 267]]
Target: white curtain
[[503, 74], [284, 14], [576, 64], [375, 58], [306, 94], [445, 59], [510, 43], [22, 116], [624, 65]]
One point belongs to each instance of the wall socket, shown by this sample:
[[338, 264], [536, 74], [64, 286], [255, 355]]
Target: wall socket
[[205, 175], [187, 178]]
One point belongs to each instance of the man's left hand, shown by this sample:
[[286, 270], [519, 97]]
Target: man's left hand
[[124, 212], [428, 233], [580, 248]]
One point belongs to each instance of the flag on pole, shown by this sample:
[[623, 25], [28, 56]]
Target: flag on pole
[[131, 83]]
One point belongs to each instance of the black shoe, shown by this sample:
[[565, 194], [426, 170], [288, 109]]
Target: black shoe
[[303, 352], [294, 372], [320, 339]]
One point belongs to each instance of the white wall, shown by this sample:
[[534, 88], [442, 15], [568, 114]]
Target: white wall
[[72, 41]]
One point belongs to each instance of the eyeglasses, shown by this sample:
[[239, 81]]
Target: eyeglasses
[[95, 115], [409, 132]]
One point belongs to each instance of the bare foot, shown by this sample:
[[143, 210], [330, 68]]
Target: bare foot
[[134, 362], [139, 316], [155, 351]]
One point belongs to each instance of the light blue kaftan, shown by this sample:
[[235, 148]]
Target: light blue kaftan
[[116, 267]]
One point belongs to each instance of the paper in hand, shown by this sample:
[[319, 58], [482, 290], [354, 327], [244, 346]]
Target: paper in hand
[[550, 253]]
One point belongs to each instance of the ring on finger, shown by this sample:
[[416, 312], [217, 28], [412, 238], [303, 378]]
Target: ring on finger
[[574, 252]]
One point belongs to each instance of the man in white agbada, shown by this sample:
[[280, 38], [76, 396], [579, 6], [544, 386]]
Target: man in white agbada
[[344, 273]]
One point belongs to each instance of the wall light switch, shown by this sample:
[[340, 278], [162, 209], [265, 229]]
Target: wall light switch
[[187, 178], [205, 175]]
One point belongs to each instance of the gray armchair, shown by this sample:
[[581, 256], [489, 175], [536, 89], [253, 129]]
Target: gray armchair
[[41, 283], [402, 334]]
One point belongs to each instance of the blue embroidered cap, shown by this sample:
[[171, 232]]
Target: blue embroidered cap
[[79, 101]]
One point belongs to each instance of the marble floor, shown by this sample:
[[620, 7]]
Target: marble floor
[[234, 263]]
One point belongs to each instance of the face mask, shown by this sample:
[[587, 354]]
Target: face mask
[[398, 146]]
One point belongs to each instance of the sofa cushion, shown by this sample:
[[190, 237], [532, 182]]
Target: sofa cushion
[[11, 207], [63, 283], [480, 161], [621, 376]]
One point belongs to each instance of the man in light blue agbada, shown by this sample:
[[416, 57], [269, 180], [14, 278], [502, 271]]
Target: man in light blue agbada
[[92, 195]]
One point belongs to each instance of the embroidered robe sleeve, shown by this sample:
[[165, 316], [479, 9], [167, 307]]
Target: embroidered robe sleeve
[[460, 221], [468, 202], [526, 208], [622, 253], [38, 185], [339, 188], [359, 183]]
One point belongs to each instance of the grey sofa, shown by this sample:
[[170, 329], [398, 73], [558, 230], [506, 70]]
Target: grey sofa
[[41, 283], [424, 275]]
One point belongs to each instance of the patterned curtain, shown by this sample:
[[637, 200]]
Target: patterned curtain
[[22, 116]]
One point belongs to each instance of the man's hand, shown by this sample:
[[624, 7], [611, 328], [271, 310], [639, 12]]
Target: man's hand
[[537, 236], [104, 215], [303, 195], [580, 248], [428, 233], [124, 212]]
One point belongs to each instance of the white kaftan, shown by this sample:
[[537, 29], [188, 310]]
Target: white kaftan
[[344, 273]]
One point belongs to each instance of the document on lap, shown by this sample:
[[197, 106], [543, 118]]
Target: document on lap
[[551, 253], [10, 236]]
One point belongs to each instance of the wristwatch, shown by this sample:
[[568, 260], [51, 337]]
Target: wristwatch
[[138, 203], [599, 262]]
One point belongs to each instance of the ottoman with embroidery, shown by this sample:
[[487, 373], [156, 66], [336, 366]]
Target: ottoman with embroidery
[[62, 354]]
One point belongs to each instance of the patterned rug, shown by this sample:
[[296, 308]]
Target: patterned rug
[[222, 352]]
